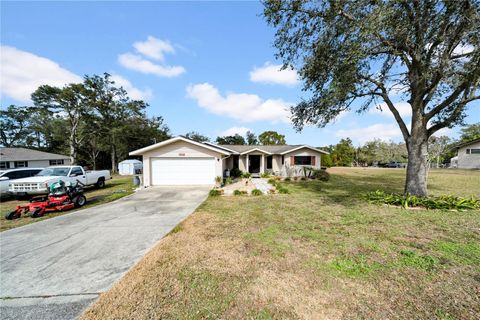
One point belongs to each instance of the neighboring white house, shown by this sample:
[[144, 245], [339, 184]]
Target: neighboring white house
[[129, 167], [468, 155], [11, 158], [181, 161]]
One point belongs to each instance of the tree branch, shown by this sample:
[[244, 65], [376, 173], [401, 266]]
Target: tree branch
[[391, 106]]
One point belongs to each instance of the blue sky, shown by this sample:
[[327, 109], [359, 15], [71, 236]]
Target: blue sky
[[204, 66]]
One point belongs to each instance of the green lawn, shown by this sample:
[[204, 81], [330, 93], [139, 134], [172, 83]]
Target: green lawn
[[114, 189], [320, 252]]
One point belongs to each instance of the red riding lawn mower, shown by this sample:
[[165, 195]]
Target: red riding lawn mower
[[63, 196]]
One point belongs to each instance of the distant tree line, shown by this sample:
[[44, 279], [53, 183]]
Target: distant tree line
[[95, 123], [377, 152]]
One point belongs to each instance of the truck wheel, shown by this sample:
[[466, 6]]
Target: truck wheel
[[79, 201], [101, 183], [11, 215]]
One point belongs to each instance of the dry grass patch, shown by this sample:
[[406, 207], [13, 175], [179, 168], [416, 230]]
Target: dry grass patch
[[320, 252]]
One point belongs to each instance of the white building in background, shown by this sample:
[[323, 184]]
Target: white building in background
[[468, 155], [12, 158], [130, 167]]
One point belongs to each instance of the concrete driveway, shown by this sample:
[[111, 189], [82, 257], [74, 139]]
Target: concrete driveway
[[55, 268]]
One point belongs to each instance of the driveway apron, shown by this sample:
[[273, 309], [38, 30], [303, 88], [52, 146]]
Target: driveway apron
[[55, 268]]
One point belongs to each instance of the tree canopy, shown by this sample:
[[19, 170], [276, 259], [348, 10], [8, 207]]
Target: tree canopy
[[231, 140], [196, 136], [271, 137], [95, 122]]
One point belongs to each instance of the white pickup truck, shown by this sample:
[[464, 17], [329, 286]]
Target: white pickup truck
[[39, 184]]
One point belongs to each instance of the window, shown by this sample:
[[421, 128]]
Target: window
[[468, 151], [475, 151], [302, 160], [21, 164], [4, 165], [56, 162], [13, 175], [283, 160], [269, 162], [76, 171]]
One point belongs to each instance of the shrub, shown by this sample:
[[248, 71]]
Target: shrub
[[272, 181], [430, 202], [256, 192], [287, 179], [321, 175], [271, 191], [246, 175], [265, 175], [235, 172], [228, 180], [237, 193], [215, 192], [218, 179], [303, 178], [295, 178], [283, 190]]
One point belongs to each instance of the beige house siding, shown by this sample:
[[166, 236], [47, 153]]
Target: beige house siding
[[469, 161], [242, 163], [179, 149], [276, 163]]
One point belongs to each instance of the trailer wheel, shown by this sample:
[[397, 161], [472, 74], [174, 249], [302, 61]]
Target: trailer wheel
[[79, 201], [11, 215], [100, 183], [36, 213]]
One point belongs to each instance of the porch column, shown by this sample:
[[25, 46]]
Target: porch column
[[262, 164], [246, 163]]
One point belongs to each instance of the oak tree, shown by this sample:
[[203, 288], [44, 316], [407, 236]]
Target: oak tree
[[358, 54]]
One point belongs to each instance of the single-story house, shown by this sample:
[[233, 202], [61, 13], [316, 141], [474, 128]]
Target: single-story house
[[11, 158], [181, 161], [468, 155]]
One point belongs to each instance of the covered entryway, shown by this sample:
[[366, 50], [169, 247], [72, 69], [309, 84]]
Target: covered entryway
[[254, 163], [183, 171]]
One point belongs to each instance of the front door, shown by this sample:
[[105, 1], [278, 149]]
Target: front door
[[254, 163]]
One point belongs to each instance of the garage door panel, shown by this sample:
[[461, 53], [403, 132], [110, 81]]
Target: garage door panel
[[183, 171]]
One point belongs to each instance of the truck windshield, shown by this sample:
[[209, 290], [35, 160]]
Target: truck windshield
[[56, 172]]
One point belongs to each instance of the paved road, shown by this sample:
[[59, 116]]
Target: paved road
[[55, 268]]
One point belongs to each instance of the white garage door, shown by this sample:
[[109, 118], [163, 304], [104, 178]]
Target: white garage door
[[183, 171]]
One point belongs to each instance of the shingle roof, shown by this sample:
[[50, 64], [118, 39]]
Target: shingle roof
[[464, 144], [274, 149], [24, 154]]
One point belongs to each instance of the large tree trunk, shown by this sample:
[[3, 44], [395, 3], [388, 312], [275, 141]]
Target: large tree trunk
[[417, 168], [73, 149], [114, 158]]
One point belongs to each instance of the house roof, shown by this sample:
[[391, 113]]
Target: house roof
[[270, 149], [175, 139], [464, 144], [24, 154], [230, 149]]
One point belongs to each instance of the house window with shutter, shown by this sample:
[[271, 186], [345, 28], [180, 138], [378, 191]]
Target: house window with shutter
[[302, 160]]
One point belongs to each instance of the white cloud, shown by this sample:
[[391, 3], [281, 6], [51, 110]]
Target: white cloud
[[271, 74], [403, 108], [381, 131], [137, 63], [23, 72], [133, 92], [235, 130], [241, 106], [154, 48]]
